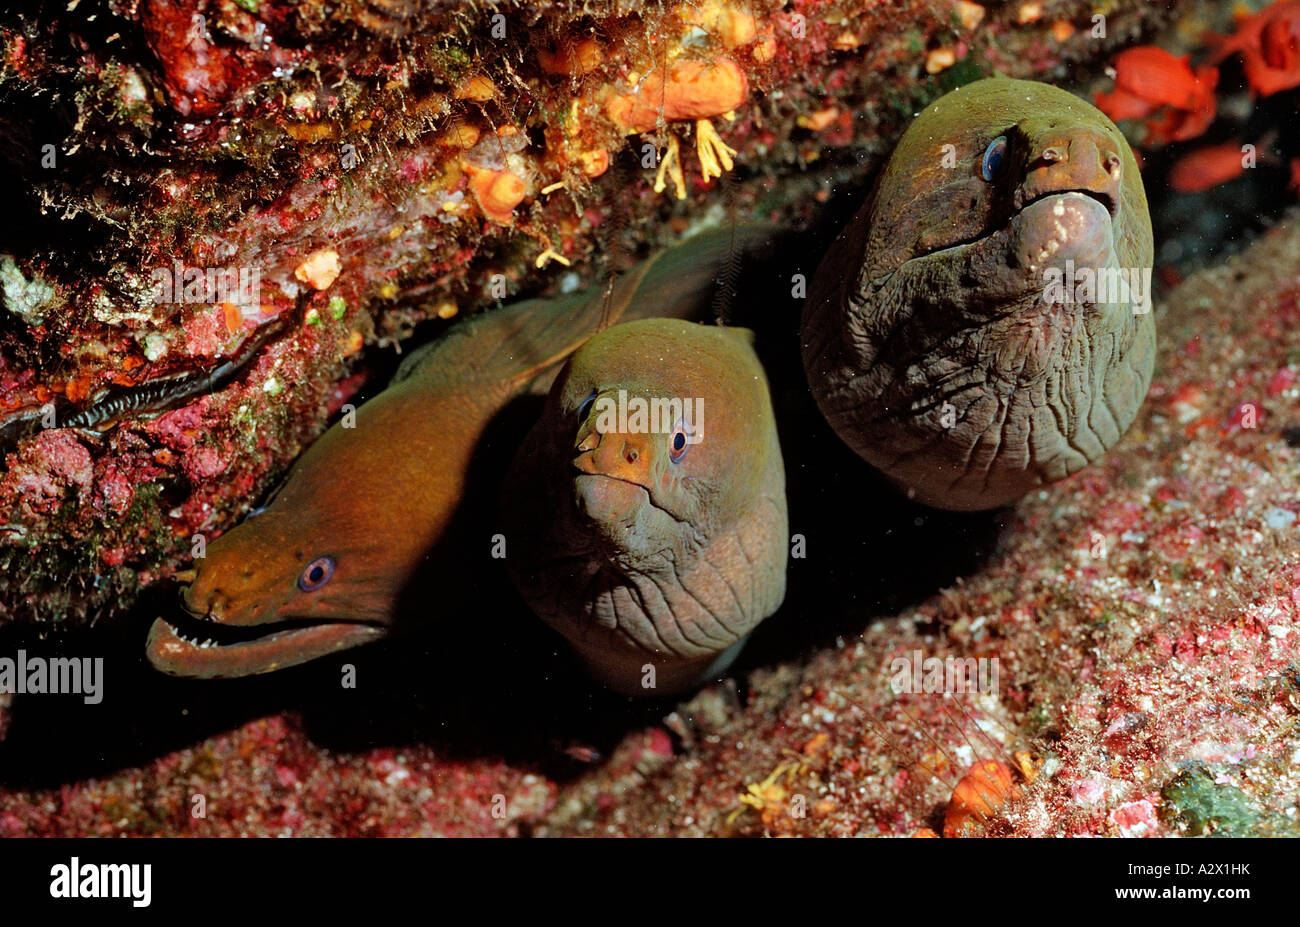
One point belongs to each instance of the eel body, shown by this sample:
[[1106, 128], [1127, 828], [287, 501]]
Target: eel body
[[983, 324], [324, 566], [647, 506]]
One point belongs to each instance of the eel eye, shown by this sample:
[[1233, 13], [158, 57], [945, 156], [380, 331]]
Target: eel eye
[[585, 407], [316, 574], [678, 444], [993, 156]]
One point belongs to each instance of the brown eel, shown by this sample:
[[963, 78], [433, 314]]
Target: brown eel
[[647, 507], [983, 325]]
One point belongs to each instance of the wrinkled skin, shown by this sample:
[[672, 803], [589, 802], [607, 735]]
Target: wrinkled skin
[[379, 499], [931, 339], [655, 569]]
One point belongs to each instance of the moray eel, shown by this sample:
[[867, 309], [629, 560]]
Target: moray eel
[[943, 338], [323, 567], [653, 544]]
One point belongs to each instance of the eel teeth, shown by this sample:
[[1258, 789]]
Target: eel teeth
[[195, 642]]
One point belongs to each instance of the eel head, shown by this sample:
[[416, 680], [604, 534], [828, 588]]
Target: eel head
[[983, 325], [266, 596]]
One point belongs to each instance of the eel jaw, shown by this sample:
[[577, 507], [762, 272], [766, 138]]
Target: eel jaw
[[172, 652], [987, 234], [1110, 202]]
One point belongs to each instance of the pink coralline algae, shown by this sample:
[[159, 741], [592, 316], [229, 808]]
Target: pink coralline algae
[[55, 467]]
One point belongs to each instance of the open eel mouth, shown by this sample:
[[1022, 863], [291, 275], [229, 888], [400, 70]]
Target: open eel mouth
[[202, 648]]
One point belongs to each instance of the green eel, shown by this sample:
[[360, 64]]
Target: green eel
[[655, 543], [325, 565], [970, 333]]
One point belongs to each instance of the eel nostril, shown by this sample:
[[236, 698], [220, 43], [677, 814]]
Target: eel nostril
[[1114, 165], [630, 454], [1053, 154]]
